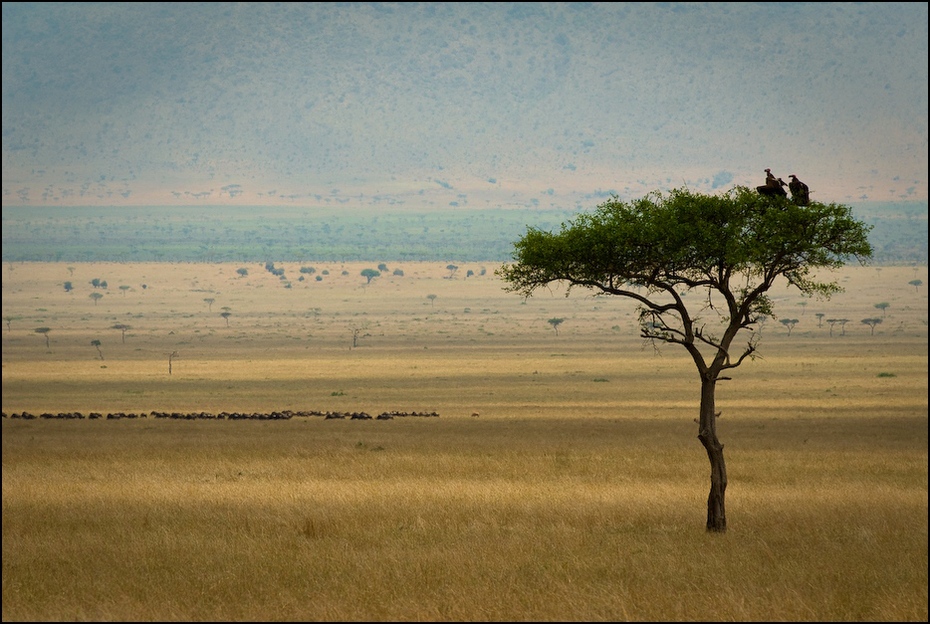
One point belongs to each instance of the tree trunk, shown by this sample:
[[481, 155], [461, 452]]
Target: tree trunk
[[707, 434]]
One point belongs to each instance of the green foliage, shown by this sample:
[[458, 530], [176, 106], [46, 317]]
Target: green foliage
[[731, 248], [688, 239], [370, 274]]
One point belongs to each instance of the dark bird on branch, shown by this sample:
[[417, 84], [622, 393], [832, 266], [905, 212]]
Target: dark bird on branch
[[800, 194], [773, 186]]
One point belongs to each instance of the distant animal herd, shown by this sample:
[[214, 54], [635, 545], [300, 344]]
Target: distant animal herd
[[276, 415]]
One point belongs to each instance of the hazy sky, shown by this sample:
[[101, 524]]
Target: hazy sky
[[458, 104]]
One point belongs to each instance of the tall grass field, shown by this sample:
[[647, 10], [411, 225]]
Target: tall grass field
[[527, 473]]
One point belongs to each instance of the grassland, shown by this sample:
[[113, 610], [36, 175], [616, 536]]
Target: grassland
[[578, 494]]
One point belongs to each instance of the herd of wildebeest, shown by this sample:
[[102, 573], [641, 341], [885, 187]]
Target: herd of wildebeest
[[277, 415]]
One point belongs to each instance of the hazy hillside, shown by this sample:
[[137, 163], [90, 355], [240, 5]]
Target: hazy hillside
[[463, 104], [250, 234]]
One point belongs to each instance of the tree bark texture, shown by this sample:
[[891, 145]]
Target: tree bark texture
[[707, 434]]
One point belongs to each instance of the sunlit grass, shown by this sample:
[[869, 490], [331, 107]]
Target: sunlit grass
[[568, 498], [460, 519]]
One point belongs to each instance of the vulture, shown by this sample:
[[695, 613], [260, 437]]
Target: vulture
[[800, 194], [773, 185]]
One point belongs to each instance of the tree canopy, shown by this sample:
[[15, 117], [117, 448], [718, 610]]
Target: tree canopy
[[734, 245], [731, 248]]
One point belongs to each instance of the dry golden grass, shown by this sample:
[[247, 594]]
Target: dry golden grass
[[578, 494]]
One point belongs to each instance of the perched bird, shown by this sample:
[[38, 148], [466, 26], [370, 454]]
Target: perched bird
[[773, 185], [800, 194]]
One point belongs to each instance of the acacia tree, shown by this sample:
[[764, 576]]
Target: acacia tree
[[789, 323], [44, 331], [729, 248], [872, 322], [123, 328]]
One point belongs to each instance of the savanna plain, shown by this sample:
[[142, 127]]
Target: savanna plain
[[561, 480]]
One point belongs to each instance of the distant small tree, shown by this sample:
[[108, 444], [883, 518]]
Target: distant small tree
[[356, 334], [242, 272], [171, 357], [916, 283], [96, 343], [884, 305], [469, 273], [872, 322], [209, 301], [555, 322], [452, 269], [96, 297], [842, 323], [103, 284], [226, 316], [820, 316], [124, 288], [44, 331], [432, 299], [370, 274], [122, 327], [831, 322], [382, 267], [69, 287], [789, 323], [398, 272], [95, 282], [71, 271]]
